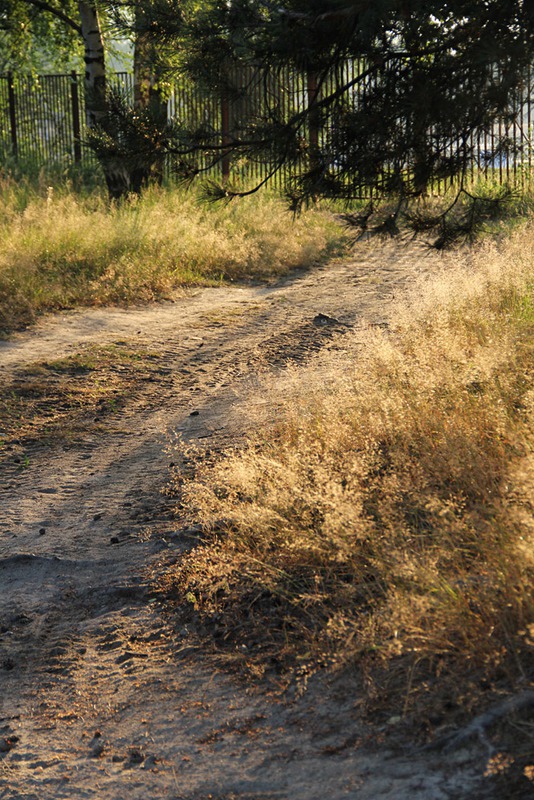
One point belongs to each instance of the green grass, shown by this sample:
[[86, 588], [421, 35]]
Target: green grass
[[59, 248]]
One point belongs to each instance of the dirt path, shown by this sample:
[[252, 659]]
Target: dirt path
[[97, 698]]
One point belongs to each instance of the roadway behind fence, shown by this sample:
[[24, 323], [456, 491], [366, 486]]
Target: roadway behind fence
[[42, 122]]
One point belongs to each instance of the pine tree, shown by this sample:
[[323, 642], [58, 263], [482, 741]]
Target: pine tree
[[431, 76]]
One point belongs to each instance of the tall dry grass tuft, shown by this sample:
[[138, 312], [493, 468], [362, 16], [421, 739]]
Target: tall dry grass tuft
[[59, 248], [387, 517]]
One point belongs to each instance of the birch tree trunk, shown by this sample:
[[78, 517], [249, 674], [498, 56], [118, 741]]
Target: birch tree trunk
[[95, 67], [96, 105]]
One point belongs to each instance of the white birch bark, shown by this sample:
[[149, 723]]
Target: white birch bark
[[95, 67]]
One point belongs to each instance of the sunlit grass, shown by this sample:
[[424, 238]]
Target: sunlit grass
[[386, 518], [59, 248]]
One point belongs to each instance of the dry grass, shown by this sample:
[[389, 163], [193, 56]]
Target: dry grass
[[386, 520], [54, 402], [59, 248]]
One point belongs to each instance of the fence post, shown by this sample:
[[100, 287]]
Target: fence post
[[76, 130], [313, 117], [225, 133], [12, 113]]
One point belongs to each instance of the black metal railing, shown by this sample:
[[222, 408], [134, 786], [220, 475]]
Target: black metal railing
[[42, 120]]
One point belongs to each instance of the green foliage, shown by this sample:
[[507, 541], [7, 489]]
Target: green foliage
[[32, 40]]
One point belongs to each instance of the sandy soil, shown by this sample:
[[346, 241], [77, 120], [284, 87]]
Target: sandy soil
[[98, 696]]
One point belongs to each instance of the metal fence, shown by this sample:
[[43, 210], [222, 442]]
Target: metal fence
[[42, 120]]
